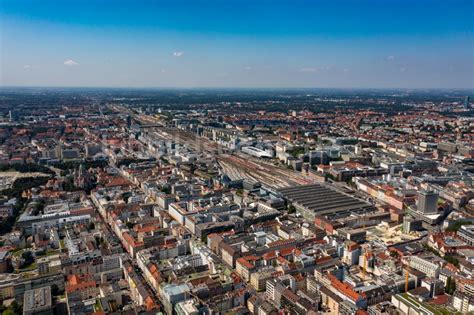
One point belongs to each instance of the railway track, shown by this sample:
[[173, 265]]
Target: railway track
[[238, 165]]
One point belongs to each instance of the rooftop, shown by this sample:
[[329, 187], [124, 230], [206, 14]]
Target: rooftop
[[323, 200], [37, 299]]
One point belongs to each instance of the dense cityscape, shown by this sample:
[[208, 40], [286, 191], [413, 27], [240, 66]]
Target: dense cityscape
[[236, 157], [258, 201]]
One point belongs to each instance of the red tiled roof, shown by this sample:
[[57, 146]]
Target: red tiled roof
[[76, 284], [345, 288], [245, 261]]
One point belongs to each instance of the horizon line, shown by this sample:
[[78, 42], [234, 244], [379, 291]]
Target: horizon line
[[230, 87]]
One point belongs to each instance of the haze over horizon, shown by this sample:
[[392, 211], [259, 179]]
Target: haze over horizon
[[212, 44]]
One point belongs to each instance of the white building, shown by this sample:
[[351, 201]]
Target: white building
[[466, 233], [429, 268], [463, 302], [187, 307], [256, 152]]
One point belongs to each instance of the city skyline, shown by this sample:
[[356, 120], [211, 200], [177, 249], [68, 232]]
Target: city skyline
[[280, 44]]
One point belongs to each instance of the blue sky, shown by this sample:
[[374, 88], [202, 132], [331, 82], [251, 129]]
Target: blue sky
[[237, 43]]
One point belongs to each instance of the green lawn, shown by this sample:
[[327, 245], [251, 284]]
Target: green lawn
[[97, 306], [437, 309], [31, 267], [52, 252], [17, 252], [443, 310]]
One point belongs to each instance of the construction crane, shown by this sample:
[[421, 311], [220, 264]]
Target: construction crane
[[364, 265], [407, 276]]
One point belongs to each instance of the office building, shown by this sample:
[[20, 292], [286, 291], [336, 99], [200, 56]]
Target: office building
[[427, 202], [38, 302], [425, 265], [466, 233]]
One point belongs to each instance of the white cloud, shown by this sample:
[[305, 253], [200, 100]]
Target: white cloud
[[178, 53], [403, 69], [309, 69], [315, 69], [30, 67], [70, 63], [163, 70], [247, 68], [390, 58]]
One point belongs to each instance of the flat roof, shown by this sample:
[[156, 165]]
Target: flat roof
[[322, 199], [469, 228], [37, 299]]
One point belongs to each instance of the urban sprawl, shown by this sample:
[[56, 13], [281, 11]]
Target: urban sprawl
[[236, 202]]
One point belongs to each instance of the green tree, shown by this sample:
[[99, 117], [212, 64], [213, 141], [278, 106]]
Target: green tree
[[28, 257], [452, 260], [450, 285], [457, 225], [91, 226], [166, 189], [291, 209], [329, 176], [54, 290], [13, 309], [453, 287]]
